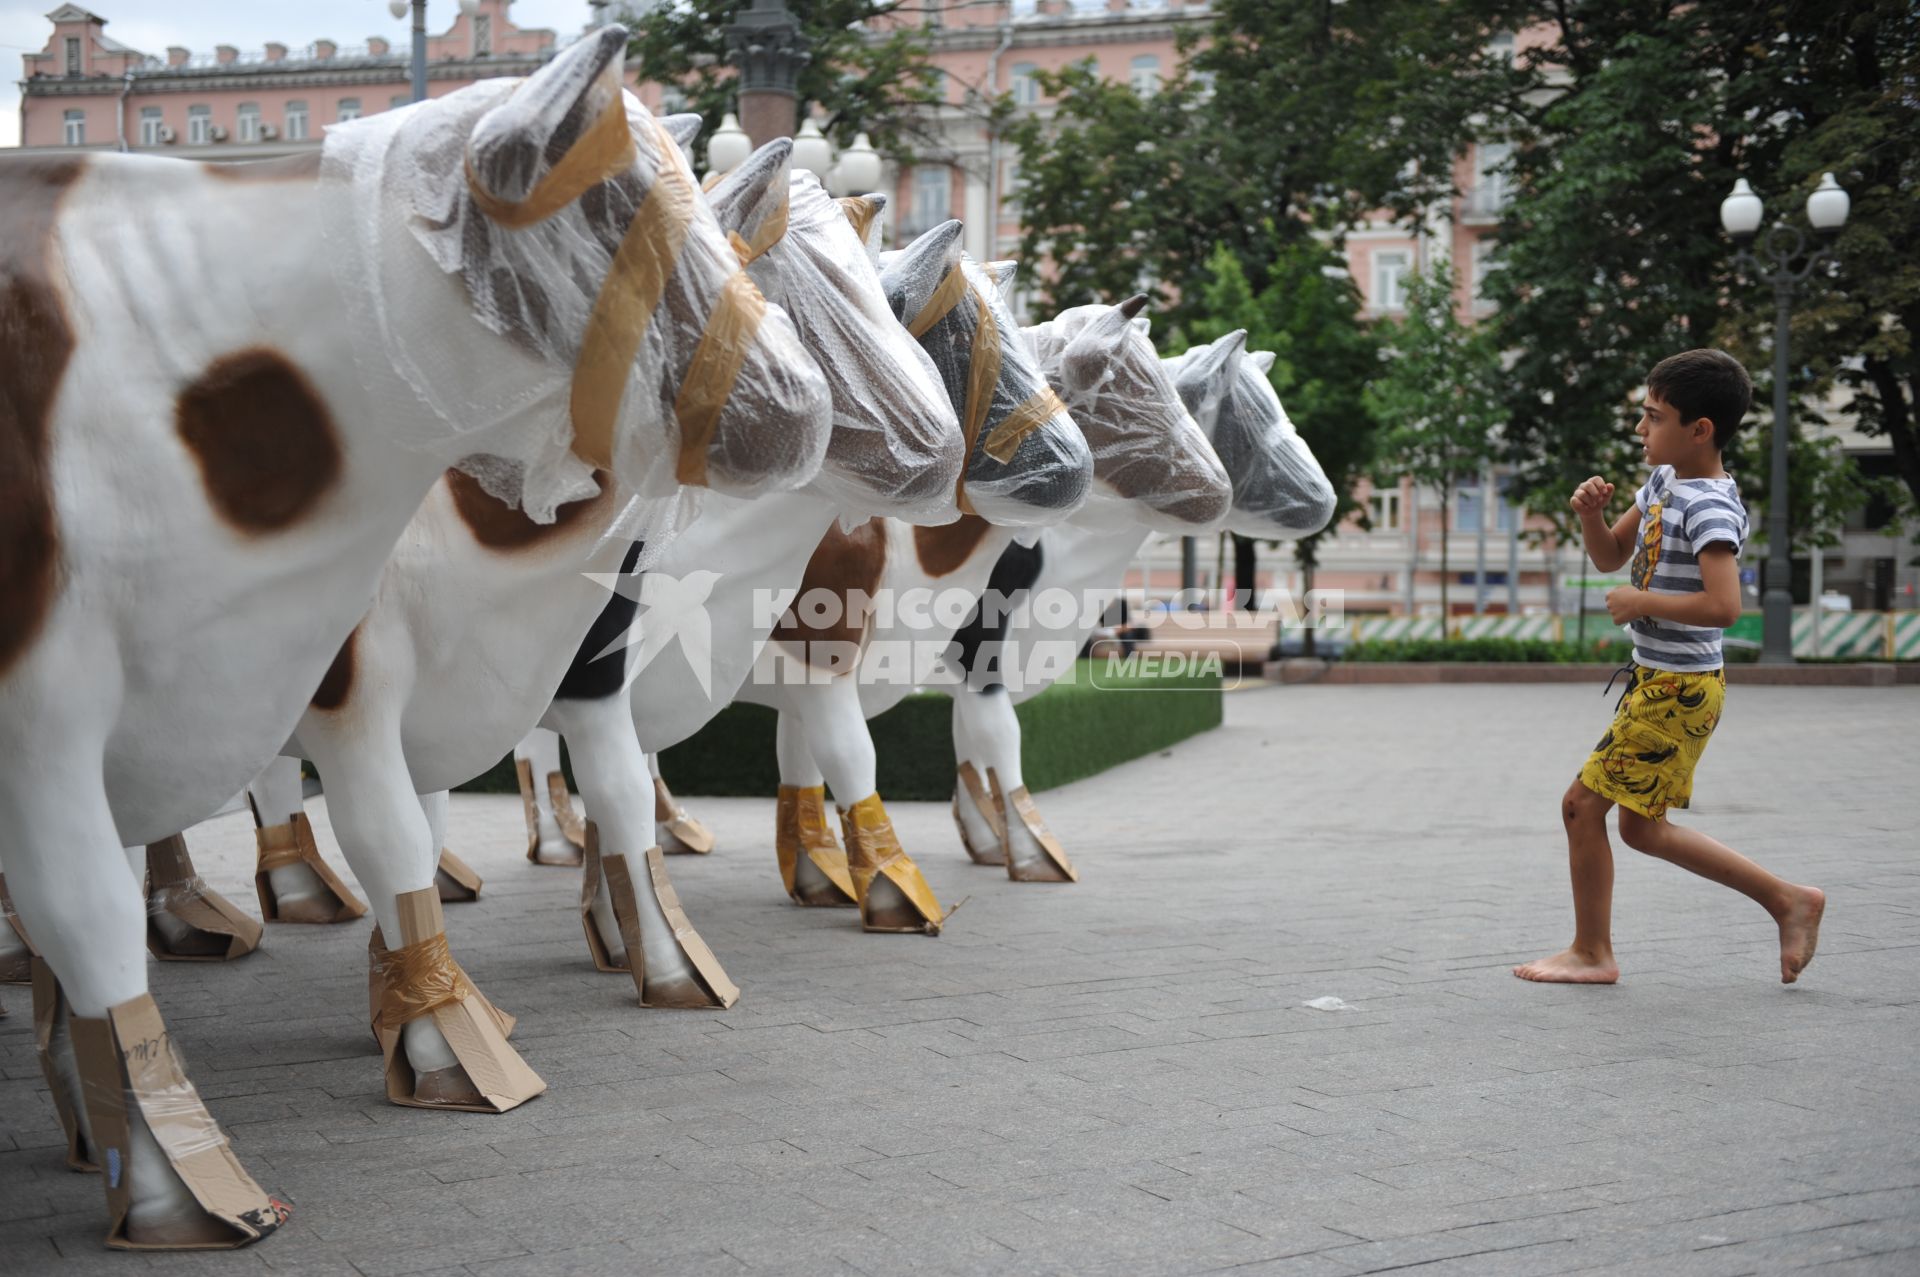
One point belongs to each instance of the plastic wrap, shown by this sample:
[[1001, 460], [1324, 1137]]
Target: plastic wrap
[[896, 447], [1027, 463], [554, 224], [1152, 466], [1279, 489]]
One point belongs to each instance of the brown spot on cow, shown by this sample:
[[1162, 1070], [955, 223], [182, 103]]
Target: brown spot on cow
[[35, 344], [846, 564], [304, 167], [338, 682], [262, 435], [944, 549], [500, 526]]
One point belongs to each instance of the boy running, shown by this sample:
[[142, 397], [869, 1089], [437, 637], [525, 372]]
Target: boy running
[[1683, 536]]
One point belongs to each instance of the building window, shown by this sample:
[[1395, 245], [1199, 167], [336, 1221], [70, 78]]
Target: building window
[[199, 125], [296, 121], [248, 122], [1203, 81], [1383, 510], [150, 124], [349, 110], [932, 197], [1500, 48], [1144, 75], [1489, 195], [1390, 279], [1508, 512], [73, 55], [931, 10], [399, 100], [482, 35], [1484, 265], [1467, 516], [1010, 187], [75, 128], [1088, 8], [1026, 89]]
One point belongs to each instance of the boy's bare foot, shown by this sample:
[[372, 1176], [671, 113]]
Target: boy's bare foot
[[1568, 967], [1800, 931]]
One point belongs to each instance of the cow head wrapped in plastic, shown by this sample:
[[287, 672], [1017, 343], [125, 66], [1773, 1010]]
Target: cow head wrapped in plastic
[[1279, 489], [570, 220]]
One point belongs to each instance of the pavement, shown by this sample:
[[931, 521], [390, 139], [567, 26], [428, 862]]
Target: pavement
[[1129, 1075]]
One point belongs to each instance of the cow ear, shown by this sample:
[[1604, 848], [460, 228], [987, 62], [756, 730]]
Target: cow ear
[[683, 127], [1002, 273], [1262, 359], [515, 144], [1093, 349], [863, 211], [912, 275], [744, 199]]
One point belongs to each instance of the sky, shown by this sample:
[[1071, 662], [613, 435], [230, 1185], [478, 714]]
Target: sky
[[151, 25]]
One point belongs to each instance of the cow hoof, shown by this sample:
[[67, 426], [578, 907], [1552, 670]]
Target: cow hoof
[[679, 993], [191, 942], [316, 910], [175, 1225], [887, 911], [450, 1085]]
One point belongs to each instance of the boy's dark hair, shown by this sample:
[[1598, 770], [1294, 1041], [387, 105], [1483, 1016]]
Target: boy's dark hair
[[1705, 383]]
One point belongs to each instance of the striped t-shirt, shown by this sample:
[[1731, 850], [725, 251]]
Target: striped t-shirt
[[1678, 518]]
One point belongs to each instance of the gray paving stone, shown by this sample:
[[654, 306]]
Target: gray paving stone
[[1122, 1077]]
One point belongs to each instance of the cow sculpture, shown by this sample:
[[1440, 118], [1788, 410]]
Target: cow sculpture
[[215, 431], [1279, 491]]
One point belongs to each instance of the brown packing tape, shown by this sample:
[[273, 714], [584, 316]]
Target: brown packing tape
[[714, 368], [377, 966], [129, 1055], [456, 880], [20, 969], [771, 232], [49, 1003], [221, 932], [604, 151], [293, 844], [625, 307], [523, 770], [495, 1069], [722, 991], [802, 835], [685, 834], [874, 850], [1019, 805], [952, 287], [1021, 422], [572, 827], [971, 790]]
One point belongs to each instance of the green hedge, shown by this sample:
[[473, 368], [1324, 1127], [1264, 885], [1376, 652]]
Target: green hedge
[[1509, 650], [1094, 719]]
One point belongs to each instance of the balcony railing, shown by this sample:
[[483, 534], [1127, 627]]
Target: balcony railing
[[1488, 199]]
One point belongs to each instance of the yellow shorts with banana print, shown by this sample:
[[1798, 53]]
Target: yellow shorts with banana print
[[1645, 761]]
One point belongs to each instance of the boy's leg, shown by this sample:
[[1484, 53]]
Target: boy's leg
[[1589, 959], [1795, 908]]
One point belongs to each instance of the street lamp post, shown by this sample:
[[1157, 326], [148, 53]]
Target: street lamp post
[[1783, 247], [769, 48], [398, 8]]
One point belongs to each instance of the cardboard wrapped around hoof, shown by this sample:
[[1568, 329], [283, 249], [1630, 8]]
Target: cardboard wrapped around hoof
[[573, 827], [679, 833], [969, 789], [813, 868], [293, 844], [456, 880], [215, 930], [1018, 812], [420, 979], [529, 805], [127, 1064], [894, 896], [49, 1003], [17, 966], [379, 961], [708, 987], [625, 912]]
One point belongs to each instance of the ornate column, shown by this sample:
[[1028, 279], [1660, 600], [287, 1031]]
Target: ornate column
[[767, 46]]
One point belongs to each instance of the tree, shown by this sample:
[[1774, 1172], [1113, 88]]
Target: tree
[[864, 79], [1437, 397]]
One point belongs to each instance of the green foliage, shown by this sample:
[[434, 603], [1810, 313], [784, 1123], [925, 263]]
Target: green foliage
[[1505, 650], [1308, 315], [1437, 397], [861, 78]]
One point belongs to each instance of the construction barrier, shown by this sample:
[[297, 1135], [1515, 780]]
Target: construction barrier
[[1884, 636]]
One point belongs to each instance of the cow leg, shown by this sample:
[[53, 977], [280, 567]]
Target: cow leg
[[454, 877], [893, 894], [813, 868], [675, 968], [547, 843], [1033, 854], [385, 837], [974, 812], [679, 832], [293, 889], [68, 876]]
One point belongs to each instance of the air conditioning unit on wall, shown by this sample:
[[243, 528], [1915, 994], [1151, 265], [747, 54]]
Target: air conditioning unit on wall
[[268, 132], [168, 134], [217, 133]]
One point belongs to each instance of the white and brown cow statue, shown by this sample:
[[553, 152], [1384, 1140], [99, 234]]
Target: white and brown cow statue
[[214, 431]]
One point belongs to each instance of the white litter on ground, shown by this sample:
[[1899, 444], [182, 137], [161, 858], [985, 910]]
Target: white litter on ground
[[1328, 1004]]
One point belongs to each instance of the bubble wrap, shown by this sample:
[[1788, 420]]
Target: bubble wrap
[[1279, 490], [1028, 465], [1152, 466], [486, 322], [896, 446]]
